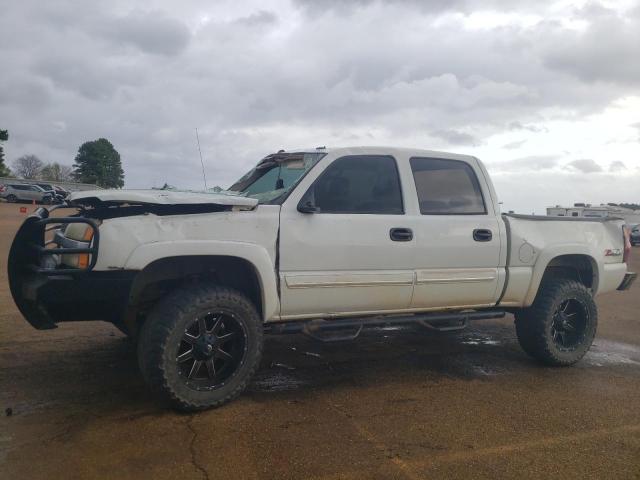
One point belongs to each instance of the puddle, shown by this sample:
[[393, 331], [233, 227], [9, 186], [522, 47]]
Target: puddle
[[606, 352], [484, 371], [312, 354], [281, 365], [276, 382], [25, 408], [478, 339], [392, 328]]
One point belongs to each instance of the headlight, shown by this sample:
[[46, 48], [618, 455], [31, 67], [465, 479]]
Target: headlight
[[76, 235]]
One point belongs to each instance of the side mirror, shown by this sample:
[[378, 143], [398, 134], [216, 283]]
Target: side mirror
[[307, 207]]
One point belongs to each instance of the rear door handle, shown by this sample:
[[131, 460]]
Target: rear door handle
[[401, 234], [482, 235]]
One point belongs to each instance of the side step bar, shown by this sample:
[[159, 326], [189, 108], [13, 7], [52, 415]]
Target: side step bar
[[442, 322]]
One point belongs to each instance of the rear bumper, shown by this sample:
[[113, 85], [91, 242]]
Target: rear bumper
[[629, 278]]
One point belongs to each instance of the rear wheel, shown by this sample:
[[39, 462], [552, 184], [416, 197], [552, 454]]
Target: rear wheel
[[11, 198], [200, 347], [559, 328]]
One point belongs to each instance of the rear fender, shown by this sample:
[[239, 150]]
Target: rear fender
[[548, 254]]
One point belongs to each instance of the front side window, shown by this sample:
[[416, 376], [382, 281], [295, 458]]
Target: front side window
[[358, 184], [447, 187]]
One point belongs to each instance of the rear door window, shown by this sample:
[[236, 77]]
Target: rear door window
[[447, 187]]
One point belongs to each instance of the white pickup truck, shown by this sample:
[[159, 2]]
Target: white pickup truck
[[310, 241]]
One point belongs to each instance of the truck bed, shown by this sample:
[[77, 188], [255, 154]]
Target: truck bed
[[534, 242]]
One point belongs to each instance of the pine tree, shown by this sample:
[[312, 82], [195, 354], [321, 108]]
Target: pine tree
[[98, 162], [4, 171]]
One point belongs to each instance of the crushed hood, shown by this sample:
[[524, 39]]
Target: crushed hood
[[159, 197]]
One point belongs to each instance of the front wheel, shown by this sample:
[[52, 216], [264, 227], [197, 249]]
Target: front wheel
[[559, 328], [200, 346], [12, 198]]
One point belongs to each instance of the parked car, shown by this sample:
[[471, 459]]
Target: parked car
[[64, 193], [14, 192], [313, 241], [635, 235], [49, 188]]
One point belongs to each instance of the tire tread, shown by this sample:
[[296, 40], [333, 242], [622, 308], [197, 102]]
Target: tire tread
[[156, 330], [531, 323]]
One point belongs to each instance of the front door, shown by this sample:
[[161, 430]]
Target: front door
[[349, 253]]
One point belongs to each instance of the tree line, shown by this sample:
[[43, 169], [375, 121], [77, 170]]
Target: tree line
[[97, 162]]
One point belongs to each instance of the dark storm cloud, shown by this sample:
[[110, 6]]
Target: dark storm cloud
[[455, 137], [96, 81], [428, 6], [516, 125], [584, 165], [532, 163], [150, 32], [262, 17], [256, 77], [617, 166], [514, 145], [607, 50]]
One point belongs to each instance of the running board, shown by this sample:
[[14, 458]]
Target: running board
[[441, 322]]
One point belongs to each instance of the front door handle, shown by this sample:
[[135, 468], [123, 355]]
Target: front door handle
[[482, 235], [401, 234]]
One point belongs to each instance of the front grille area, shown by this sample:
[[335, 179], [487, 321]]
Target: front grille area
[[43, 256]]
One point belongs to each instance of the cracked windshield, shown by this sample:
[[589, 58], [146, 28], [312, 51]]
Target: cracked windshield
[[275, 175]]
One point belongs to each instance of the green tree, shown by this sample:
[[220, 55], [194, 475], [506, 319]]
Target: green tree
[[4, 171], [98, 162]]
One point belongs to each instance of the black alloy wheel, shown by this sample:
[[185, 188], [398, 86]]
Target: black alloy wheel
[[569, 325], [559, 327], [200, 346], [212, 348]]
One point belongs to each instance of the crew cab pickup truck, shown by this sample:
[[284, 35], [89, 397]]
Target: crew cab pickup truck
[[310, 241]]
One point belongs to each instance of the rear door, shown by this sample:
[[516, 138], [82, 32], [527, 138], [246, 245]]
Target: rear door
[[34, 192], [457, 235], [350, 256]]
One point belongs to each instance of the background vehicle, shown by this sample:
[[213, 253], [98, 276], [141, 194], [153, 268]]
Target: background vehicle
[[14, 192], [51, 190], [309, 242], [61, 191], [635, 235]]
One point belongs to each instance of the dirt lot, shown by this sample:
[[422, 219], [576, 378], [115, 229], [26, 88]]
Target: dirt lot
[[396, 403]]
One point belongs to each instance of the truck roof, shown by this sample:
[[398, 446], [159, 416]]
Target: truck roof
[[382, 150]]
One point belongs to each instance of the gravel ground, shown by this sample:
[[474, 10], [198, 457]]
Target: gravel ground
[[396, 403]]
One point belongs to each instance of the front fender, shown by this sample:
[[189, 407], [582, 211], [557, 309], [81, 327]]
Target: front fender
[[256, 255], [548, 254]]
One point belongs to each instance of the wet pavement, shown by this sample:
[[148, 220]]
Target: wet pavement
[[395, 403]]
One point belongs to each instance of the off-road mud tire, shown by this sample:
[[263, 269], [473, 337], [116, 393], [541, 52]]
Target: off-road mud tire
[[534, 324], [160, 336]]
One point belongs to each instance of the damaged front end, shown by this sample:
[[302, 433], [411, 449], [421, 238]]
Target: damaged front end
[[51, 274]]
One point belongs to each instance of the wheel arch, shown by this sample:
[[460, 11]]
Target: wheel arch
[[572, 261], [244, 267]]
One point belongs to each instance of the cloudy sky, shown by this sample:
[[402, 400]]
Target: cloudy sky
[[546, 93]]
